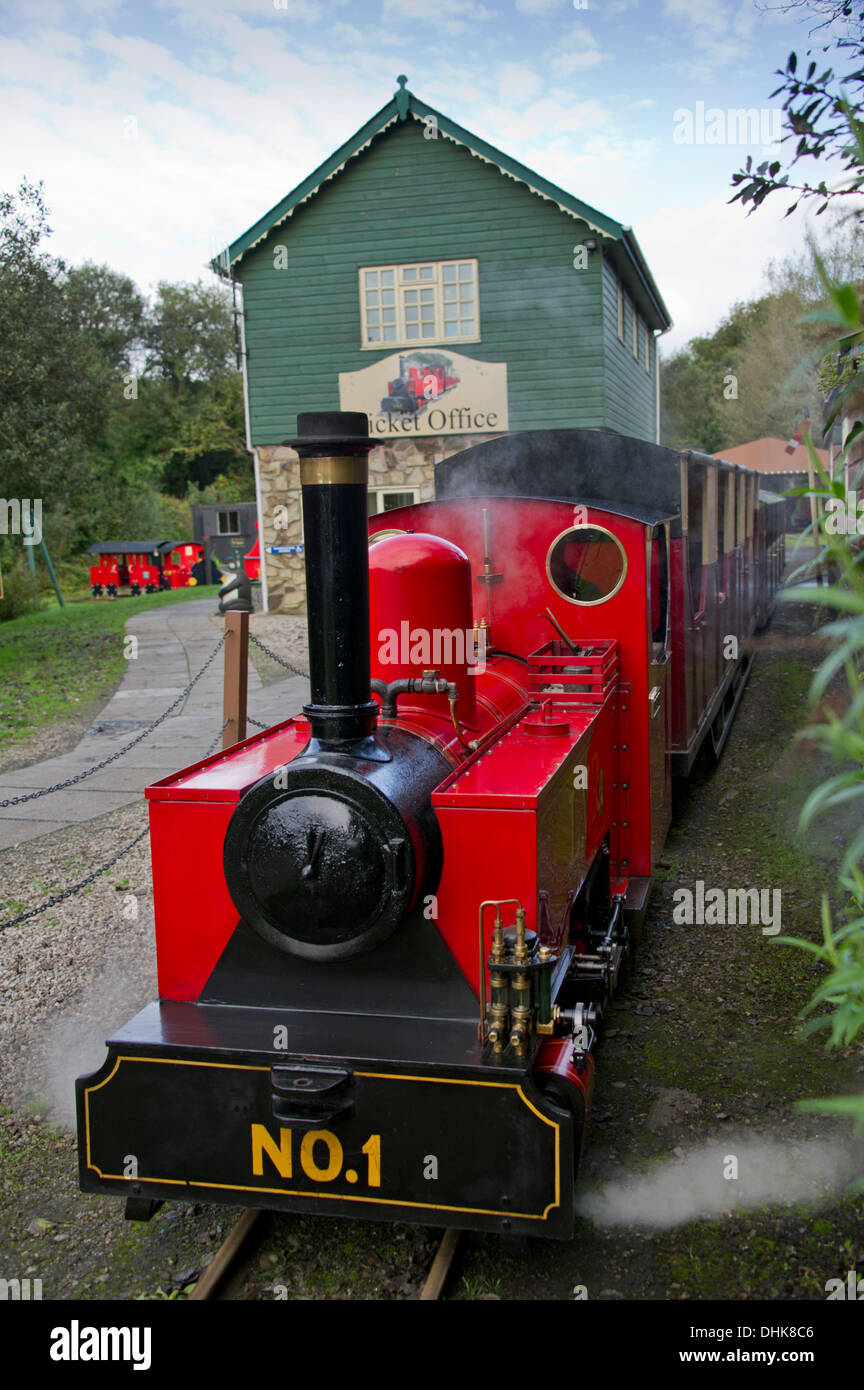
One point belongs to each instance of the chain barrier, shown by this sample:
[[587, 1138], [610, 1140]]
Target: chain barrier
[[97, 767], [75, 887], [295, 671], [213, 745]]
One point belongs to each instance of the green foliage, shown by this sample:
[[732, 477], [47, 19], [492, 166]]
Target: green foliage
[[823, 115], [109, 311], [838, 1003], [20, 593], [744, 381], [695, 411], [116, 413], [823, 110], [191, 334], [51, 382]]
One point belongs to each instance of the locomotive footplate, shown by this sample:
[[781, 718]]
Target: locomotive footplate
[[192, 1104]]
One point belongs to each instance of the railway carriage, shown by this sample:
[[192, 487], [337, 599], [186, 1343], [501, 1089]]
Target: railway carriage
[[397, 918]]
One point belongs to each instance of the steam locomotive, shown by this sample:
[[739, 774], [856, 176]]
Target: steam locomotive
[[418, 382], [387, 928]]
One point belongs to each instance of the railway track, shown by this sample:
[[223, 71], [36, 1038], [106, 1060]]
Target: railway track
[[228, 1260]]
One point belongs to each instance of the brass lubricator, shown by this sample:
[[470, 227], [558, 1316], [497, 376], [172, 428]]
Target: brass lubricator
[[520, 978]]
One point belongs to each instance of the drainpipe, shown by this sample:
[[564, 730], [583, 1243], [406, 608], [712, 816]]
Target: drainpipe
[[261, 547]]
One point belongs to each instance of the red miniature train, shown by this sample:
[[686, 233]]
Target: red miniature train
[[142, 566], [386, 949]]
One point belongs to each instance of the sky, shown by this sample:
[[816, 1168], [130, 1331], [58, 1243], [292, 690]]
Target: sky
[[163, 129]]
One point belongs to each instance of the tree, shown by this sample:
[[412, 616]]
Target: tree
[[824, 12], [211, 442], [745, 381], [51, 395], [191, 334], [110, 311], [823, 108]]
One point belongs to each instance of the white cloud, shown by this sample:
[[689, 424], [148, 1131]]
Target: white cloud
[[706, 256], [540, 7], [205, 10], [517, 83], [440, 17], [720, 34], [579, 49]]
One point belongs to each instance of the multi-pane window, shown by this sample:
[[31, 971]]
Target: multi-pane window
[[432, 301], [228, 524], [384, 500]]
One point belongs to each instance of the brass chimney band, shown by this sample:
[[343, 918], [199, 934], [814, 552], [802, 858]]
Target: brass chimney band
[[329, 472]]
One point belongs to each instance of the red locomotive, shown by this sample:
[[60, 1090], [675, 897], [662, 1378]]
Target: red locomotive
[[180, 563], [418, 383], [386, 946]]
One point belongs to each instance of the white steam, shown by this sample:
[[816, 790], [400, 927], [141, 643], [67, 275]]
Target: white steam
[[738, 1174]]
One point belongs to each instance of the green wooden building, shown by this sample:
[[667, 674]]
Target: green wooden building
[[421, 275]]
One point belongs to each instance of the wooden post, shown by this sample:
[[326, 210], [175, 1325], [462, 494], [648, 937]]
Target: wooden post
[[236, 678]]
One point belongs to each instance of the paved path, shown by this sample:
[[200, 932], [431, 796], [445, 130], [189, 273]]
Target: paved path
[[173, 643]]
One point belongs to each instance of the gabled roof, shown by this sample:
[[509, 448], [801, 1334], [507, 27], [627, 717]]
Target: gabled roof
[[768, 455], [404, 105], [131, 547]]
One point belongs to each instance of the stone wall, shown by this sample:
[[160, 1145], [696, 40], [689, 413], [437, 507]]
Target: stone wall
[[400, 464]]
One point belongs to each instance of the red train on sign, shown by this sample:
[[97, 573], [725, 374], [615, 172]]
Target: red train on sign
[[418, 383], [399, 916]]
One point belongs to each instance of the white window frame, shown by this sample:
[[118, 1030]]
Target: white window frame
[[436, 283], [378, 494]]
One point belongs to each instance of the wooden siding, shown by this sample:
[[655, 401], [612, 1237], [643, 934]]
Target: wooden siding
[[409, 199], [630, 391]]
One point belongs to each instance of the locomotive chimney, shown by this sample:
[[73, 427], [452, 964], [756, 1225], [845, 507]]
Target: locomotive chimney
[[333, 475]]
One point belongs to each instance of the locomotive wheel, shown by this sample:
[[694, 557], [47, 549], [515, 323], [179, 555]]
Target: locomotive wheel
[[97, 590], [135, 590], [150, 589]]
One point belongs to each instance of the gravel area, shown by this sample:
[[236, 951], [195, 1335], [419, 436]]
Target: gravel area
[[285, 634], [71, 975]]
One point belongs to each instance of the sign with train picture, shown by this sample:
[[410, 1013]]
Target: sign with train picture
[[427, 391]]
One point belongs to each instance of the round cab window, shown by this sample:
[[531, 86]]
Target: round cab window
[[586, 564]]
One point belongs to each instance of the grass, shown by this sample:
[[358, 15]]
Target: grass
[[57, 662]]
